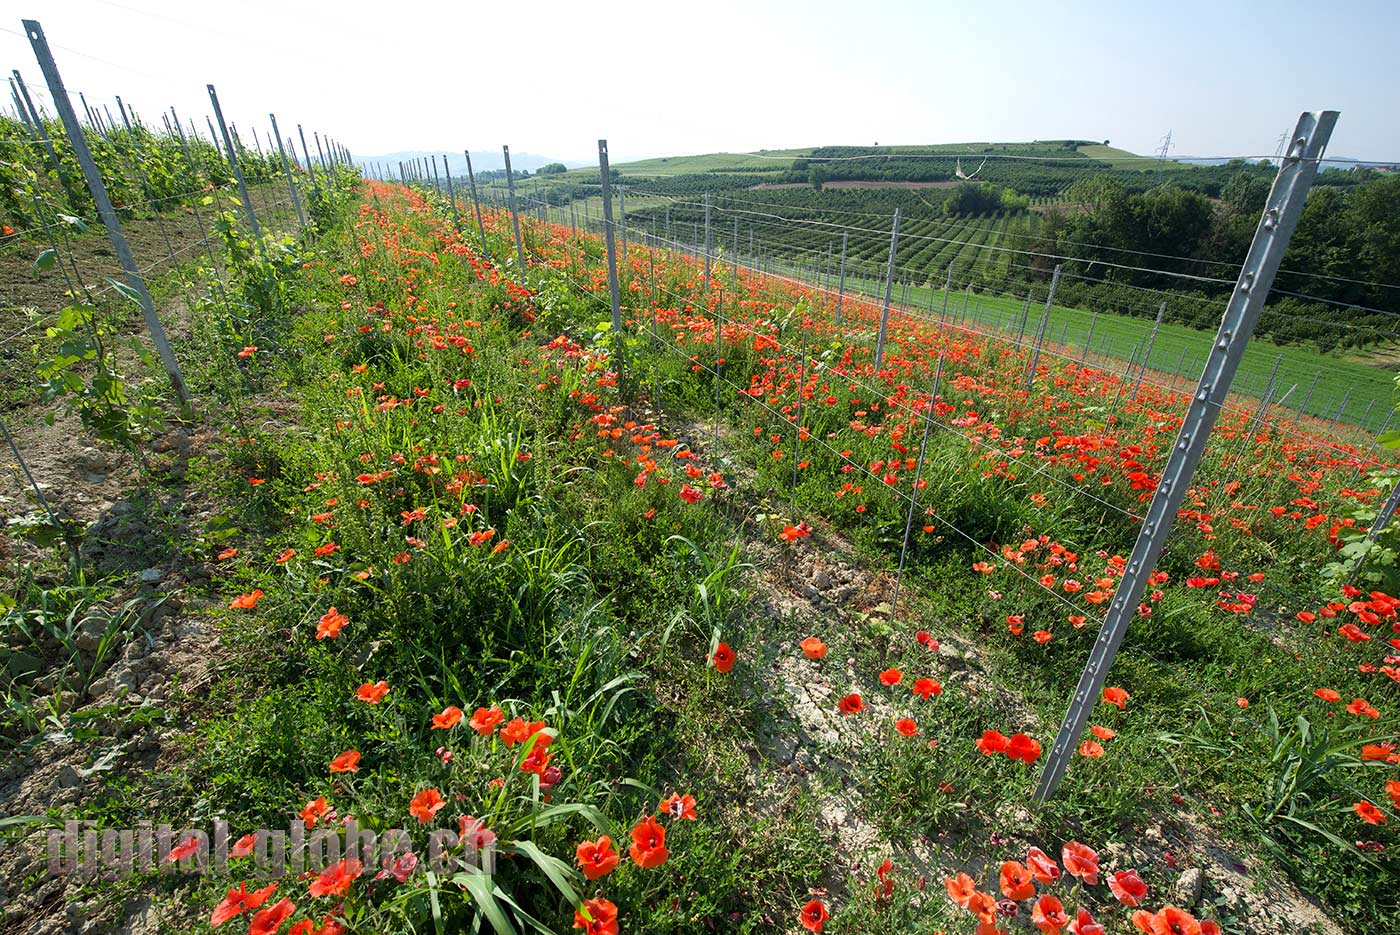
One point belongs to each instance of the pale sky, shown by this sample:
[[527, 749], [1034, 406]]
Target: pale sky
[[662, 78]]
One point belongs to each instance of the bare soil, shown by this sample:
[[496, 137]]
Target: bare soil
[[148, 691]]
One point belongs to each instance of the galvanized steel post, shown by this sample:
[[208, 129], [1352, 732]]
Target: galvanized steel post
[[1280, 217], [514, 216], [287, 167], [98, 189], [451, 196], [1152, 339], [1040, 334], [608, 236], [476, 204], [889, 284], [233, 161], [707, 241]]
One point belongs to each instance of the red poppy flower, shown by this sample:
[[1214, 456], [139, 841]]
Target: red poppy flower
[[1091, 749], [246, 601], [519, 730], [885, 888], [1369, 813], [1362, 708], [960, 888], [243, 846], [1081, 861], [723, 658], [186, 848], [1048, 915], [269, 920], [1084, 924], [347, 762], [1117, 696], [1015, 880], [1127, 887], [992, 741], [926, 688], [239, 901], [983, 906], [335, 880], [648, 848], [484, 720], [813, 915], [330, 625], [596, 917], [678, 806], [1023, 747], [906, 726], [1041, 866], [313, 810], [1327, 694], [450, 717], [890, 677], [425, 805], [596, 858], [814, 648], [372, 692], [1103, 733], [793, 533], [850, 704]]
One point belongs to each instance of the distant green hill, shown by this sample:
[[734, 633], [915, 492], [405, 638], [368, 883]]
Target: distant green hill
[[778, 160]]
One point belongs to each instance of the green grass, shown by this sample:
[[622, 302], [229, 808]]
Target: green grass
[[1122, 159], [598, 615], [1115, 337]]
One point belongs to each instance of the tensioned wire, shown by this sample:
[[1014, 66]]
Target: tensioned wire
[[146, 203], [858, 297], [998, 559], [742, 391], [971, 226], [911, 410], [819, 222], [94, 290], [1243, 413], [1148, 311], [999, 453]]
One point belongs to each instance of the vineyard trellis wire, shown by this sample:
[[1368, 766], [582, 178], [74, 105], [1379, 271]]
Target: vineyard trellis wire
[[115, 165], [1261, 412], [865, 310]]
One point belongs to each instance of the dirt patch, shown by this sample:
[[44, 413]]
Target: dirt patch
[[128, 725], [822, 586]]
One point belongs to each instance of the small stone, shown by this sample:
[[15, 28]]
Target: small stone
[[67, 777], [1187, 889], [151, 576], [90, 634], [821, 580]]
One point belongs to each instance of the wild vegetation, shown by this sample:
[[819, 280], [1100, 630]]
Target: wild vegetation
[[617, 607]]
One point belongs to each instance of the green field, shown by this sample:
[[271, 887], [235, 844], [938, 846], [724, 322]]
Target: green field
[[1178, 350]]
